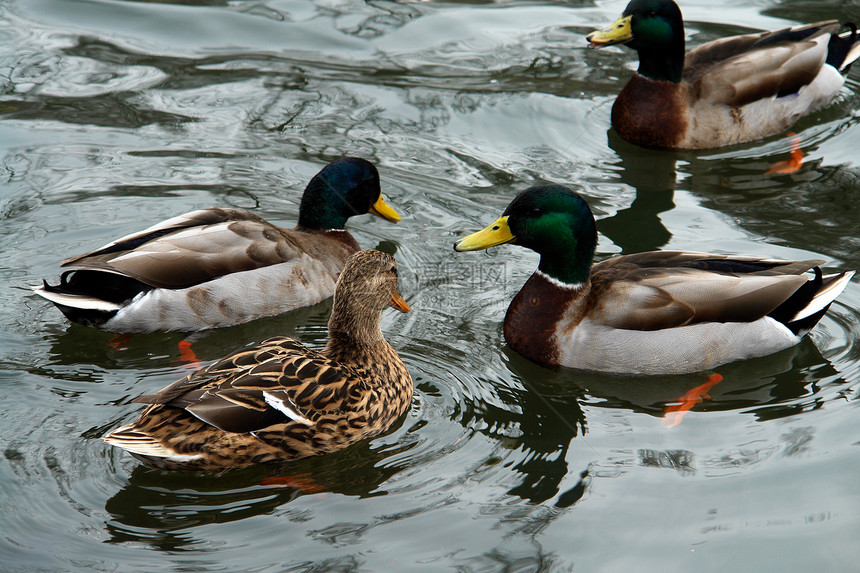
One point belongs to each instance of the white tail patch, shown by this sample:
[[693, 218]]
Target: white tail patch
[[144, 445], [825, 296], [853, 53], [83, 302], [285, 406]]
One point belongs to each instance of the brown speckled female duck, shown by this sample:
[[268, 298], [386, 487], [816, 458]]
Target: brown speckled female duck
[[219, 267], [723, 92], [280, 400], [661, 312]]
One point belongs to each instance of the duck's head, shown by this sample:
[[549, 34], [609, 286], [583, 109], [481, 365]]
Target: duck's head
[[345, 187], [551, 220], [367, 284], [655, 29]]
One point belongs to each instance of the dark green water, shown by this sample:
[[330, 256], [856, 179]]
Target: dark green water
[[115, 115]]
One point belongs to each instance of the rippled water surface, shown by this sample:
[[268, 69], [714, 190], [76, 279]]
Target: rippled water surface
[[116, 114]]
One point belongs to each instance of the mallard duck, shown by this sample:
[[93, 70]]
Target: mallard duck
[[220, 267], [282, 401], [662, 312], [724, 92]]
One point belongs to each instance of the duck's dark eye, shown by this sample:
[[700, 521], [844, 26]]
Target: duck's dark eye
[[537, 211]]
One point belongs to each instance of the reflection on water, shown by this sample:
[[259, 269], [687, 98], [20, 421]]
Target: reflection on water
[[638, 228], [818, 192], [162, 508], [79, 344], [538, 421]]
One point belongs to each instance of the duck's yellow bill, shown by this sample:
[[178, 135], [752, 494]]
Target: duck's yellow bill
[[497, 233], [618, 33], [398, 303], [382, 209]]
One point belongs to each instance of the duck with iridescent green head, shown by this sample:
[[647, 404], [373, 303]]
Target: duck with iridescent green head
[[727, 91], [221, 267], [660, 312]]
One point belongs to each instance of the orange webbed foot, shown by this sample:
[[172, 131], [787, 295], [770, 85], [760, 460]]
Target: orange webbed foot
[[302, 482], [119, 341], [672, 415], [186, 354], [794, 163]]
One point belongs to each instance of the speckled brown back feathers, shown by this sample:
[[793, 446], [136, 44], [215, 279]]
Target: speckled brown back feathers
[[281, 400]]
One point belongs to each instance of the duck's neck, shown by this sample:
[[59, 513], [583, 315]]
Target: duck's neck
[[567, 259], [662, 62], [341, 235], [321, 210], [565, 272], [353, 332]]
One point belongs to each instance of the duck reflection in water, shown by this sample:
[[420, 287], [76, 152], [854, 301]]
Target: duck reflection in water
[[164, 509], [652, 174], [549, 413]]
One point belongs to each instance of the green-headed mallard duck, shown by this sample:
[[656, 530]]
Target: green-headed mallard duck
[[659, 312], [280, 400], [724, 92], [219, 267]]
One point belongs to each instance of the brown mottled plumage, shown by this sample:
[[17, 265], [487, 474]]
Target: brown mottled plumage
[[280, 400]]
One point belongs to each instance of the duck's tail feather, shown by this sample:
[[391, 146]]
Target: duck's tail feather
[[844, 48], [58, 296], [80, 308], [144, 446], [99, 285], [91, 297], [802, 310]]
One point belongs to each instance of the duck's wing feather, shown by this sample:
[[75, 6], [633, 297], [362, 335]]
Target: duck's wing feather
[[742, 69], [193, 248], [277, 382], [653, 291]]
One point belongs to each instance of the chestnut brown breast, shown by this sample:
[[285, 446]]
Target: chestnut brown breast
[[532, 318], [650, 113]]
